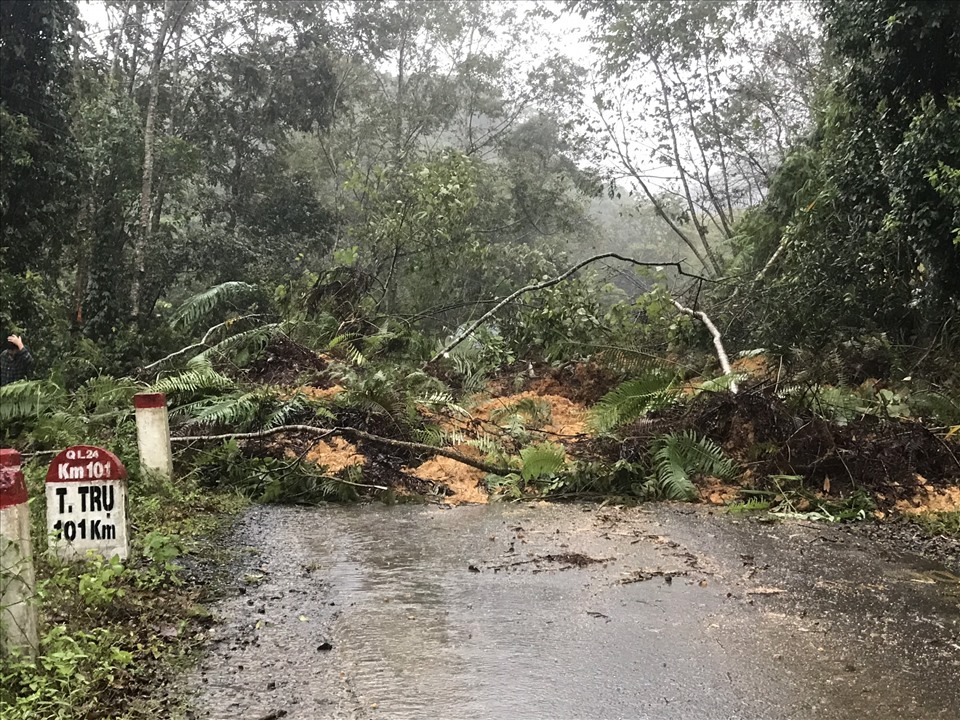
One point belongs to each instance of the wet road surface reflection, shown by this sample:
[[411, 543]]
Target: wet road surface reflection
[[547, 611]]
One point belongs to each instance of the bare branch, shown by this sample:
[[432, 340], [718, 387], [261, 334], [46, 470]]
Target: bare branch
[[197, 345], [717, 340], [354, 434], [550, 283]]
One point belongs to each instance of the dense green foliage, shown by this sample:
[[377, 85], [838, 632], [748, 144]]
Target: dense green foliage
[[866, 211]]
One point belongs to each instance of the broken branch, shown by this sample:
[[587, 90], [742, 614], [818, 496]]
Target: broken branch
[[550, 283], [197, 345], [350, 433], [717, 340]]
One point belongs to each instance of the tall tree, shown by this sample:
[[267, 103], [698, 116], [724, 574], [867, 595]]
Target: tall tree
[[863, 219], [38, 154], [172, 14], [697, 103]]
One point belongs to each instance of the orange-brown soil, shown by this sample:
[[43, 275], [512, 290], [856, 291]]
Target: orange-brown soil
[[931, 499], [335, 454], [465, 483]]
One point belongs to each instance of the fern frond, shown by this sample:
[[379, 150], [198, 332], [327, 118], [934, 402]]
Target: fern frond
[[375, 396], [633, 399], [200, 305], [437, 436], [59, 429], [486, 444], [626, 360], [243, 346], [515, 426], [838, 404], [440, 401], [235, 412], [350, 344], [104, 393], [542, 460], [537, 412], [678, 456], [464, 364], [29, 398], [200, 377], [294, 405]]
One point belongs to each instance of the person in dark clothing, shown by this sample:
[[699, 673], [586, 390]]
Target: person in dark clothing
[[15, 361]]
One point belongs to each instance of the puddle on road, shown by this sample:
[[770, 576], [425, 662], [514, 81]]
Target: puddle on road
[[479, 612]]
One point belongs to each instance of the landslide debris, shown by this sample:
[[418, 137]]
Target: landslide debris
[[898, 462]]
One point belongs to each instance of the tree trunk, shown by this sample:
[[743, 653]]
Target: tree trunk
[[118, 43], [135, 43], [691, 207], [146, 190]]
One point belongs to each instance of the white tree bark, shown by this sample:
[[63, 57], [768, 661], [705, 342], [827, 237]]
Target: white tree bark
[[717, 341], [146, 189]]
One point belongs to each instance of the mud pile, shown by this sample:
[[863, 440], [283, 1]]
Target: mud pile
[[900, 462], [285, 362]]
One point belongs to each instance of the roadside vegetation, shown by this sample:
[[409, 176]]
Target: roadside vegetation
[[373, 253]]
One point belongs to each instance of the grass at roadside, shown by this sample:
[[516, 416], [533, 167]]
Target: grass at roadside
[[939, 523], [113, 634]]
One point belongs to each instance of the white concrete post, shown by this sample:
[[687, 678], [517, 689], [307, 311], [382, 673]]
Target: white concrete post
[[18, 610], [87, 504], [153, 433]]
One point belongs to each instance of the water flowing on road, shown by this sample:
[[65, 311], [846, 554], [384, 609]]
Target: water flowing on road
[[567, 611]]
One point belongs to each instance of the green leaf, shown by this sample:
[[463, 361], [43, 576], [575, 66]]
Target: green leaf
[[542, 460]]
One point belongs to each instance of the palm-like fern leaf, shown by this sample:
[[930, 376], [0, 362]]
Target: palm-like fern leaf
[[236, 412], [60, 428], [241, 346], [679, 456], [105, 394], [199, 377], [541, 460], [29, 398], [653, 390], [200, 305], [536, 412], [349, 343]]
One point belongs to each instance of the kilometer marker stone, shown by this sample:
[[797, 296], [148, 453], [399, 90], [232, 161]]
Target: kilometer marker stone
[[87, 504]]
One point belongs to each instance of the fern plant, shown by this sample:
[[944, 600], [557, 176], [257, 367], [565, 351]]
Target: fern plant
[[242, 347], [202, 304], [677, 457], [61, 428], [26, 399], [198, 378], [653, 390], [105, 394], [541, 460], [537, 412], [376, 395], [442, 401]]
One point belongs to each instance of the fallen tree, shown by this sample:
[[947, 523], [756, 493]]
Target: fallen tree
[[353, 434], [697, 314]]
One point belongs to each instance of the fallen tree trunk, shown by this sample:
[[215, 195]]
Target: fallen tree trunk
[[352, 433]]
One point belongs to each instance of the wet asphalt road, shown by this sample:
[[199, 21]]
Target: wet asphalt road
[[500, 611]]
